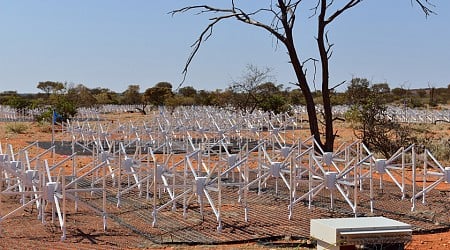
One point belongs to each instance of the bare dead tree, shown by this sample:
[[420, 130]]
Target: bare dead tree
[[248, 87], [281, 26]]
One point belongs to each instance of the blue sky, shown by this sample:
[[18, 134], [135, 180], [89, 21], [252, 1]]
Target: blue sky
[[115, 43]]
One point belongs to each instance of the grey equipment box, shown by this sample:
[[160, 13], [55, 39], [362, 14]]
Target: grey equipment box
[[359, 232]]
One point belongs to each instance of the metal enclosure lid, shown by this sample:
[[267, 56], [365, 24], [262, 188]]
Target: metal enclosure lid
[[329, 230]]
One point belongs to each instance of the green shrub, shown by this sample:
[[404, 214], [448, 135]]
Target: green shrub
[[16, 128], [44, 126], [440, 148]]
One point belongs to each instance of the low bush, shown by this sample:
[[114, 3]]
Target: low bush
[[16, 128], [440, 148]]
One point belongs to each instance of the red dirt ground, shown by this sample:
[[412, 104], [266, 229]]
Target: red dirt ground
[[25, 231]]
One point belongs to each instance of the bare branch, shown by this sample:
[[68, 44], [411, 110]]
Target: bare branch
[[322, 122], [201, 8], [336, 133], [350, 4], [206, 33], [246, 18], [329, 52], [331, 3], [424, 8], [314, 9], [292, 10], [309, 59], [315, 69], [337, 85], [222, 14], [337, 118]]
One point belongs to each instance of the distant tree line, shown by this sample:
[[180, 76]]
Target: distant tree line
[[254, 91]]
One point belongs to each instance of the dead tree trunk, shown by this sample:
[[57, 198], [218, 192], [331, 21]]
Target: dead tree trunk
[[281, 27]]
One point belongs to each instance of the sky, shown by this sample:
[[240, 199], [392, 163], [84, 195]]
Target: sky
[[115, 43]]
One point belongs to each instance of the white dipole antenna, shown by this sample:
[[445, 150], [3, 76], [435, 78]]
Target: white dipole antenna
[[433, 172]]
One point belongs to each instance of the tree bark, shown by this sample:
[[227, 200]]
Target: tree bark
[[323, 52], [300, 74]]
